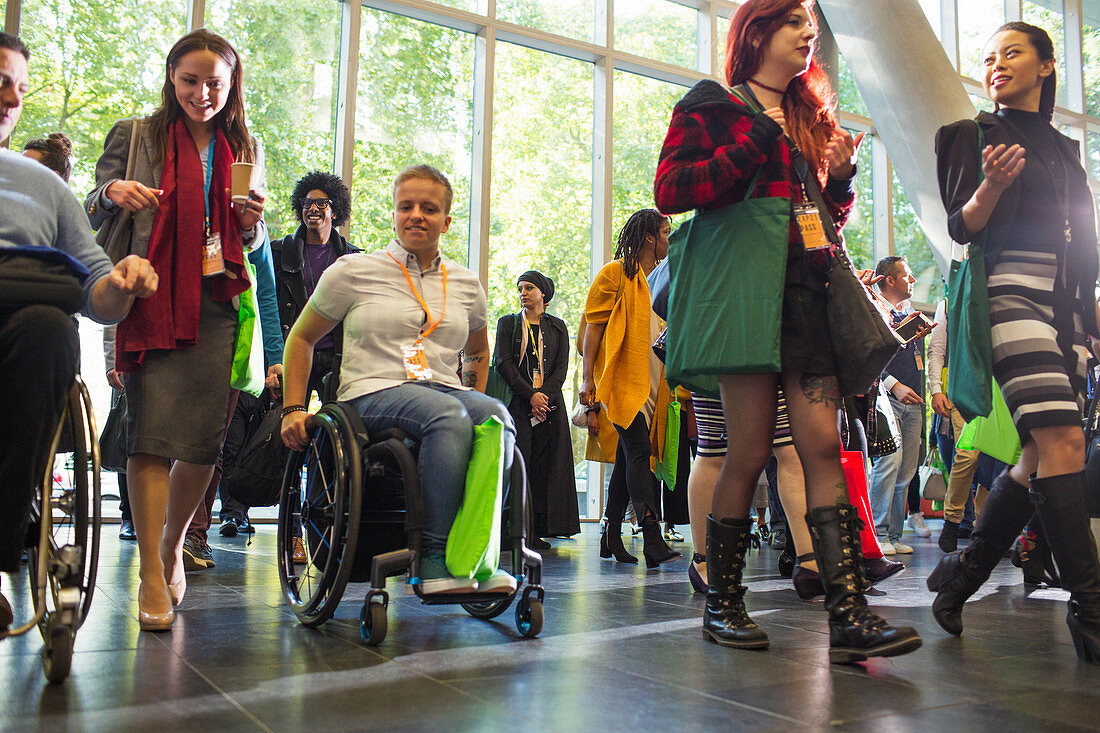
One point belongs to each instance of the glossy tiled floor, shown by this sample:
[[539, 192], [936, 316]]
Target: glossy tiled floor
[[621, 650]]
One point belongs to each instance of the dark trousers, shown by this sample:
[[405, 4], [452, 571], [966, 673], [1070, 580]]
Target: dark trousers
[[631, 478], [39, 352], [247, 406], [200, 521]]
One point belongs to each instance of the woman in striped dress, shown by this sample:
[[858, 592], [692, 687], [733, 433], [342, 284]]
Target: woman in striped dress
[[1026, 192]]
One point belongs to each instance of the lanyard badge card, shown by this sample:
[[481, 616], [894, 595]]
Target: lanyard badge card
[[212, 261], [416, 362], [808, 218], [413, 355]]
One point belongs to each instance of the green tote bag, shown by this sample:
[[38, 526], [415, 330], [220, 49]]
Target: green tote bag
[[473, 545], [969, 336], [727, 269]]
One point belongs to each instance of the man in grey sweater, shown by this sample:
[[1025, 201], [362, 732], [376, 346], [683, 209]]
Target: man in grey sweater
[[39, 348]]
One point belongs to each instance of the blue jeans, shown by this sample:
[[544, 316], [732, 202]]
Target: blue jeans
[[442, 420], [890, 475]]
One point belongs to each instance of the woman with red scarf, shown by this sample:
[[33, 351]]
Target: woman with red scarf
[[725, 145], [175, 351]]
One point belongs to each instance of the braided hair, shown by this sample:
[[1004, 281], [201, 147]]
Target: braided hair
[[632, 237]]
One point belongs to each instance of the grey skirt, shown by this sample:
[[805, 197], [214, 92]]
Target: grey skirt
[[178, 399]]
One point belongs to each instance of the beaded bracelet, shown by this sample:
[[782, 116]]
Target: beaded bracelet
[[292, 409]]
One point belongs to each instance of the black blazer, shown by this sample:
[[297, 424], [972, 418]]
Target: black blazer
[[290, 287], [506, 355]]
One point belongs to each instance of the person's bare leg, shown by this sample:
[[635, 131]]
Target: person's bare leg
[[147, 481], [814, 404], [188, 485], [701, 483], [791, 483], [749, 403]]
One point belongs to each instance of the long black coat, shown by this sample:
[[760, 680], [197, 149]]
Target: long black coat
[[553, 486]]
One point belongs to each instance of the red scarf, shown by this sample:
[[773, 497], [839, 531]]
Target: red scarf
[[169, 319]]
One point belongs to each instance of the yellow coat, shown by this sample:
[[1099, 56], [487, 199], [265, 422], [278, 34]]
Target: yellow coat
[[621, 367]]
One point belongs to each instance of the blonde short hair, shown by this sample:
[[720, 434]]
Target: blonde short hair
[[427, 173]]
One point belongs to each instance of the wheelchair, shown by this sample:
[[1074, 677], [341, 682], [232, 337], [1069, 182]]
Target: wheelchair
[[65, 518], [355, 501]]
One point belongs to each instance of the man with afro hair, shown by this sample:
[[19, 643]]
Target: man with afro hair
[[321, 202]]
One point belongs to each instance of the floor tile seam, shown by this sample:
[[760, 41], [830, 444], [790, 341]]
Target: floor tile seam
[[932, 708], [226, 696], [716, 698]]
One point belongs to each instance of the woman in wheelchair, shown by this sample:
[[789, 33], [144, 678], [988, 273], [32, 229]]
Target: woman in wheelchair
[[408, 315]]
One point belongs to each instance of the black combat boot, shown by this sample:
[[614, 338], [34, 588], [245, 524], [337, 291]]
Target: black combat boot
[[855, 631], [725, 620]]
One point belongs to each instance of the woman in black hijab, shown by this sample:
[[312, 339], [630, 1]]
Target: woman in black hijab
[[532, 356]]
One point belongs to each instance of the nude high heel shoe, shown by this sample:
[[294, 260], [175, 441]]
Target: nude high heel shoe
[[149, 621]]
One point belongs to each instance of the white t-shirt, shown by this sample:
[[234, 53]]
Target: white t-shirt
[[381, 315]]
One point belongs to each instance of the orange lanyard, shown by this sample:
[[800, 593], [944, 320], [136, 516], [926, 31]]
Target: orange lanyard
[[423, 304]]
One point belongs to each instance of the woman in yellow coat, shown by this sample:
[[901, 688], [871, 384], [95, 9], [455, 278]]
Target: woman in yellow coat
[[625, 379]]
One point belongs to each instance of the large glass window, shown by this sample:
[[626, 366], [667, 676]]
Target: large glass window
[[848, 94], [541, 203], [289, 49], [572, 18], [91, 65], [910, 242], [657, 29], [978, 19], [1090, 52], [1049, 15], [643, 107], [933, 12], [1094, 154], [414, 105], [859, 232]]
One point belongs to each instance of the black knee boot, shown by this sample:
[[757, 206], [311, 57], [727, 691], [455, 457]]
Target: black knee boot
[[725, 620], [959, 574], [855, 631], [1064, 511]]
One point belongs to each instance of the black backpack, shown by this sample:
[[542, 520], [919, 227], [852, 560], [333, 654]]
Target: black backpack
[[254, 476]]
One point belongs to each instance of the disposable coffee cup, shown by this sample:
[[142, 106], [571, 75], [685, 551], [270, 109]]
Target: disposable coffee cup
[[242, 182]]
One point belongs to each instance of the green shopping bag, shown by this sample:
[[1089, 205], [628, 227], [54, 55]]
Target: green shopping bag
[[248, 373], [969, 335], [727, 269], [473, 545], [667, 466], [994, 435]]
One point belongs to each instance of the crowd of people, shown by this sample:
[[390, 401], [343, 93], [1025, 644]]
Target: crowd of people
[[402, 334]]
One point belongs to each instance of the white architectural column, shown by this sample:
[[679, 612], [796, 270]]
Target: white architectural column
[[347, 92]]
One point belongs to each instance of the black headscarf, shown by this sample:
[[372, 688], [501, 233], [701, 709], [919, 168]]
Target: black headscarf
[[540, 281]]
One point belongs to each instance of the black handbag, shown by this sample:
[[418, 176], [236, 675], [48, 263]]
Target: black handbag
[[255, 476], [881, 440], [863, 343], [112, 440]]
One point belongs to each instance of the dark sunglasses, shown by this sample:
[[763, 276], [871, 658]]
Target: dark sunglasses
[[319, 203]]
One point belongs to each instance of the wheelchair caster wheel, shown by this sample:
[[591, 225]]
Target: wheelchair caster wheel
[[529, 617], [372, 623], [57, 655]]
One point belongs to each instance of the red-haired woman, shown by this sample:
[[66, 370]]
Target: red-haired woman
[[717, 143], [175, 350]]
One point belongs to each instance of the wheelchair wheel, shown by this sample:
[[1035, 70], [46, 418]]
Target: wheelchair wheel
[[486, 610], [66, 510], [319, 504]]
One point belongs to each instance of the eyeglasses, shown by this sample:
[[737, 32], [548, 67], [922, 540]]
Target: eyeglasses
[[321, 204]]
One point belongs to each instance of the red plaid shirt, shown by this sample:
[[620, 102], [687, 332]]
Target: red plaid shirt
[[715, 145]]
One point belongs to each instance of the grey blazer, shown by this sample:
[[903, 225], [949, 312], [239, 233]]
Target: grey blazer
[[111, 167]]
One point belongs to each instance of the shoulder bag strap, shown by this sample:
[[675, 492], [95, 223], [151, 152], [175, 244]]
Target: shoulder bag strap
[[122, 225]]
